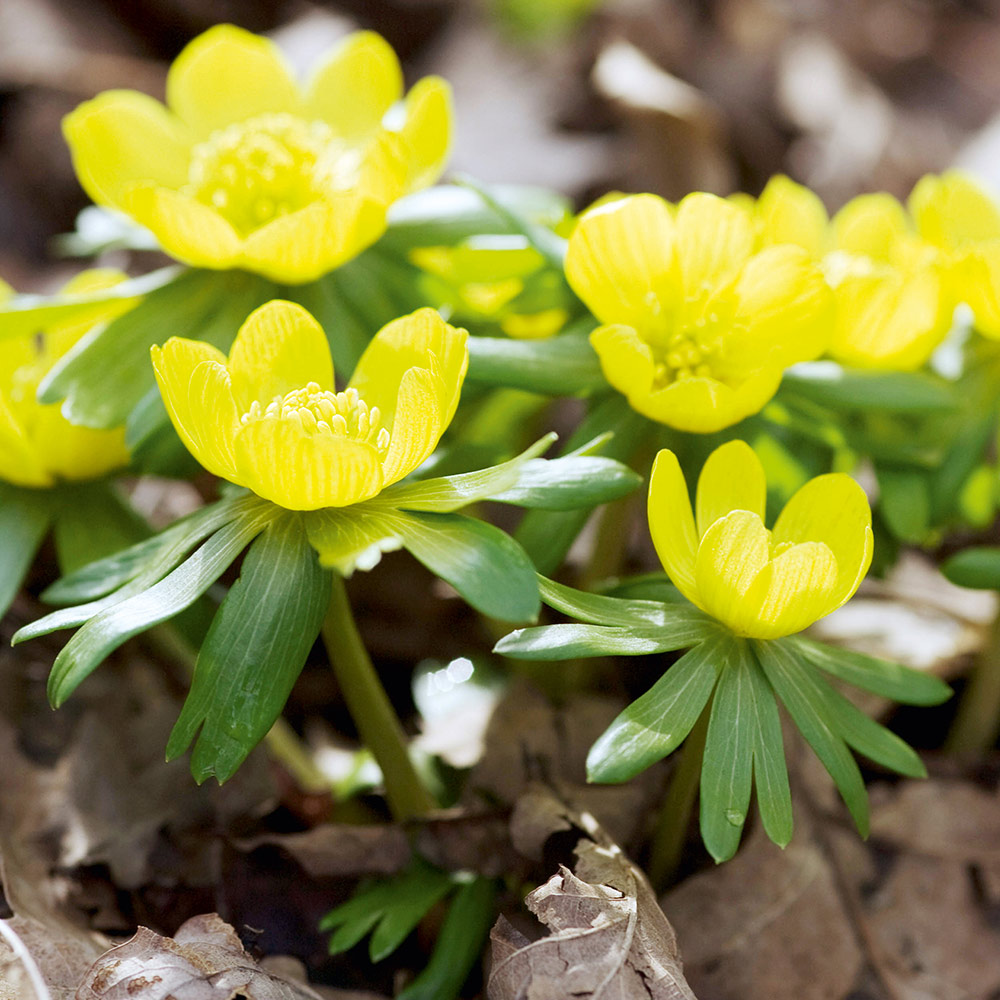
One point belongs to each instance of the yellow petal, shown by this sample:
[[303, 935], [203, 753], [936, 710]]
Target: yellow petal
[[714, 240], [279, 348], [77, 453], [227, 75], [706, 405], [732, 478], [121, 138], [421, 340], [620, 260], [784, 312], [418, 423], [832, 509], [299, 470], [891, 320], [952, 210], [19, 462], [871, 224], [790, 213], [94, 279], [426, 130], [791, 592], [185, 228], [626, 360], [671, 523], [355, 85], [196, 391], [306, 244], [731, 554], [976, 281], [384, 173]]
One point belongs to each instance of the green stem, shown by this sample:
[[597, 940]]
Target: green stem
[[376, 720], [977, 721], [675, 813]]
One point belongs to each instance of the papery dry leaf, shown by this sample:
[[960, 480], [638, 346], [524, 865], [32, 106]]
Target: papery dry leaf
[[204, 960], [334, 849], [908, 916], [608, 936]]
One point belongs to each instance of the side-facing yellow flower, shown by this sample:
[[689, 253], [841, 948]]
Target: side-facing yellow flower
[[955, 214], [38, 446], [698, 326], [245, 169], [269, 417], [760, 583], [894, 305]]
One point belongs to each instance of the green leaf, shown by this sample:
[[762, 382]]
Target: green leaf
[[108, 372], [254, 651], [596, 609], [658, 722], [485, 565], [392, 906], [648, 587], [131, 571], [891, 680], [727, 766], [106, 631], [825, 382], [770, 772], [547, 535], [92, 521], [977, 567], [449, 493], [905, 502], [565, 365], [459, 943], [796, 686], [350, 538], [25, 516], [446, 214], [566, 642], [964, 452], [27, 314]]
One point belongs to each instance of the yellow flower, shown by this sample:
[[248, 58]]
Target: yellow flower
[[38, 446], [763, 584], [248, 170], [955, 214], [698, 327], [270, 418], [893, 303]]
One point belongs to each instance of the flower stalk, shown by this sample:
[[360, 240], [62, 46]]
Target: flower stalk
[[378, 725]]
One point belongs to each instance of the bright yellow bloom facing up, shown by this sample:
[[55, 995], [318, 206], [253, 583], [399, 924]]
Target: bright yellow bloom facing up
[[245, 169], [762, 584], [697, 326], [894, 305], [956, 215], [269, 417], [38, 446]]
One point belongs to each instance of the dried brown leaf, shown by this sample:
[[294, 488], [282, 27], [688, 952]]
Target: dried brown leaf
[[204, 960]]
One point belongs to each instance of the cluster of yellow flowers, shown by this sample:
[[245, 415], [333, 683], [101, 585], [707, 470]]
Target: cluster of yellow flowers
[[702, 306]]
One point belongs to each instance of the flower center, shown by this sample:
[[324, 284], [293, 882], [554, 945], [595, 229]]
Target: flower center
[[684, 351], [319, 411], [257, 170]]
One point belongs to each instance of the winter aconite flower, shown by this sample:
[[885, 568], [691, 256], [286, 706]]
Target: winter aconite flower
[[38, 446], [957, 216], [761, 583], [269, 417], [698, 326], [245, 169], [894, 305]]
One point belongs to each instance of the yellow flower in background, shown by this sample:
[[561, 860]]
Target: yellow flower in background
[[760, 583], [246, 169], [894, 305], [269, 416], [38, 446], [956, 215], [495, 278], [698, 326]]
